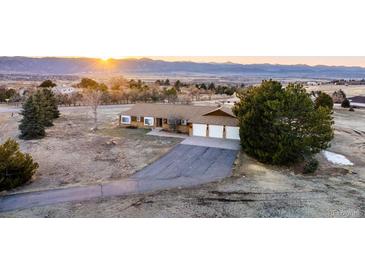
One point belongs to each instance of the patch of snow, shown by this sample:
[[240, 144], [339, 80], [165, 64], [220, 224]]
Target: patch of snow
[[337, 158]]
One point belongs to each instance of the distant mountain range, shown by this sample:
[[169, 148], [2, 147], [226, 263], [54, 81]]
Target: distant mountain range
[[83, 66]]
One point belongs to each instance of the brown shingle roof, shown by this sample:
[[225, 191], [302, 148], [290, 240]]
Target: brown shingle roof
[[215, 120], [191, 113]]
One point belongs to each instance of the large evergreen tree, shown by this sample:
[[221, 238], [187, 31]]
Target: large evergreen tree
[[32, 124], [45, 109], [51, 103], [281, 125], [16, 168]]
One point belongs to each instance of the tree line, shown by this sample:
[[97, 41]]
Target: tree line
[[120, 90]]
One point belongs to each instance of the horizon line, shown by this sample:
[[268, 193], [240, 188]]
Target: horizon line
[[158, 58]]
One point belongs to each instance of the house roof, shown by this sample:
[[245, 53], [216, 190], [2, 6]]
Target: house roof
[[357, 99], [221, 111], [194, 114]]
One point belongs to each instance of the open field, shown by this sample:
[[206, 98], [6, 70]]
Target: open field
[[255, 189], [330, 88], [72, 155]]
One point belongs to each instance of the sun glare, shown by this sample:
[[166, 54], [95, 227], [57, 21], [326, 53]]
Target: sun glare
[[106, 58]]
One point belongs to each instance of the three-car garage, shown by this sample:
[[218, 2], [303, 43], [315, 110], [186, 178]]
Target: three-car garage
[[216, 131]]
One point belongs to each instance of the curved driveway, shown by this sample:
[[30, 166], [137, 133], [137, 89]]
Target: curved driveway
[[182, 166]]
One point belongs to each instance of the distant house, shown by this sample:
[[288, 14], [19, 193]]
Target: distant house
[[203, 121], [64, 89], [357, 101]]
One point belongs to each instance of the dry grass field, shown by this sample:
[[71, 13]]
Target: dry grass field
[[72, 155], [329, 88]]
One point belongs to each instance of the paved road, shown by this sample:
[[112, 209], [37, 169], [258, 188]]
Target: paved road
[[9, 110], [183, 166]]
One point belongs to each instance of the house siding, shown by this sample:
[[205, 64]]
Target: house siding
[[180, 128]]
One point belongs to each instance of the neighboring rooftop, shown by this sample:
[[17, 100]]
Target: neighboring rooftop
[[358, 99]]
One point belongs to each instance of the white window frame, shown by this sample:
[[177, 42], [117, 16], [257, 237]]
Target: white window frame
[[128, 117], [149, 118], [138, 118], [184, 122]]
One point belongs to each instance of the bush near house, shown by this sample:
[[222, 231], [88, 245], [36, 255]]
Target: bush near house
[[16, 168], [281, 125]]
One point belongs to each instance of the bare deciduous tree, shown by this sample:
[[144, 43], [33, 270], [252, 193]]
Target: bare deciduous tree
[[92, 98]]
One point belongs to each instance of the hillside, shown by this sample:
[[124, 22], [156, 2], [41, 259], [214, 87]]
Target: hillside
[[79, 66]]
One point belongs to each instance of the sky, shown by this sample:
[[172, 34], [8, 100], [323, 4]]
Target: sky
[[178, 30]]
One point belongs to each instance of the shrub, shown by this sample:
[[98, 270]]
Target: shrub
[[16, 168], [279, 125], [345, 103], [310, 166], [324, 100]]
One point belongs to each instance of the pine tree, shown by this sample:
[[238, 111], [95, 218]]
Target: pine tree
[[282, 125], [32, 124], [51, 102], [16, 168], [45, 108]]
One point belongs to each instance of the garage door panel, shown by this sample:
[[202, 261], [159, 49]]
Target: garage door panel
[[233, 133], [200, 130], [215, 131]]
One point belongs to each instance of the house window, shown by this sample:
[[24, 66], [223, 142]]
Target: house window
[[138, 118], [184, 122], [148, 121], [126, 119]]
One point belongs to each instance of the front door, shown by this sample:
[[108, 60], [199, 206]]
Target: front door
[[158, 122]]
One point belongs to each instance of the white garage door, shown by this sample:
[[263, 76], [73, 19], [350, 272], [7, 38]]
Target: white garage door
[[232, 133], [215, 131], [200, 130]]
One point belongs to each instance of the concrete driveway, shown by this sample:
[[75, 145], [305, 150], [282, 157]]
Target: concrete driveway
[[212, 142], [183, 166]]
